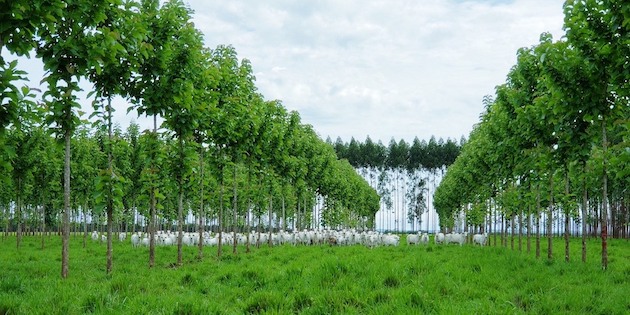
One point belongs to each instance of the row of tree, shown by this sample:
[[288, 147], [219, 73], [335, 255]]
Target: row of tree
[[555, 138], [402, 173], [154, 57]]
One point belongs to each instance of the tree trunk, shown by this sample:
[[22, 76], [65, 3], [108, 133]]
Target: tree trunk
[[538, 220], [43, 219], [220, 211], [249, 206], [65, 238], [201, 203], [110, 200], [18, 213], [269, 241], [604, 223], [566, 216], [550, 219], [153, 205], [85, 229], [180, 213], [234, 209]]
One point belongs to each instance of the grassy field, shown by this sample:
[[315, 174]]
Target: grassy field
[[313, 280]]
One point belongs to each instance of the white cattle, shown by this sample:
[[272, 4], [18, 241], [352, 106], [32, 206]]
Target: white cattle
[[439, 238], [122, 236], [424, 238], [135, 240], [455, 238], [94, 236], [480, 239], [413, 239], [390, 240]]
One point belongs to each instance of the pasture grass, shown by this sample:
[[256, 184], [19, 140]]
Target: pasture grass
[[313, 280]]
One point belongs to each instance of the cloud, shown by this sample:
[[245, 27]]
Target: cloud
[[390, 68], [383, 68]]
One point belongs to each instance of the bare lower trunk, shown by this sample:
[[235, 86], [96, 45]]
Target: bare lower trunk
[[65, 238], [153, 205], [43, 228], [537, 220], [234, 209], [18, 214], [604, 200], [550, 219], [584, 209], [85, 229], [220, 242], [110, 201], [110, 214], [566, 218], [512, 231], [180, 221], [201, 209], [269, 241]]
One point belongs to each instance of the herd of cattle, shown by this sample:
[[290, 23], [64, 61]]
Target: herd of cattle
[[306, 237]]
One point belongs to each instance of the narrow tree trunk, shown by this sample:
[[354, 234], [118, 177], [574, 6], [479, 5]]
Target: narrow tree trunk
[[180, 215], [152, 207], [269, 241], [566, 216], [550, 219], [219, 247], [529, 228], [65, 252], [85, 229], [43, 219], [110, 200], [249, 206], [512, 231], [234, 209], [284, 218], [201, 203], [537, 220], [604, 223], [18, 213]]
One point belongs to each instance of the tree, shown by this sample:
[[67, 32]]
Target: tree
[[63, 48]]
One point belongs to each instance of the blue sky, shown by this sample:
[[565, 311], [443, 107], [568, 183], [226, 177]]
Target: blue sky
[[383, 68]]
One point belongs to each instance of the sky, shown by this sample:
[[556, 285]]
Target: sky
[[379, 68]]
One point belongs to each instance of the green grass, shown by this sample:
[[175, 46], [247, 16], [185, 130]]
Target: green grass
[[313, 280]]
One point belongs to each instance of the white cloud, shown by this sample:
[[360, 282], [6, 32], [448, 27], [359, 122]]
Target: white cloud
[[388, 68]]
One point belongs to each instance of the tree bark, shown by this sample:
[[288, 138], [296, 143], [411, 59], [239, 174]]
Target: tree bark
[[201, 203], [604, 198], [65, 237], [550, 219], [566, 217], [235, 210], [18, 213], [152, 207], [538, 220]]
